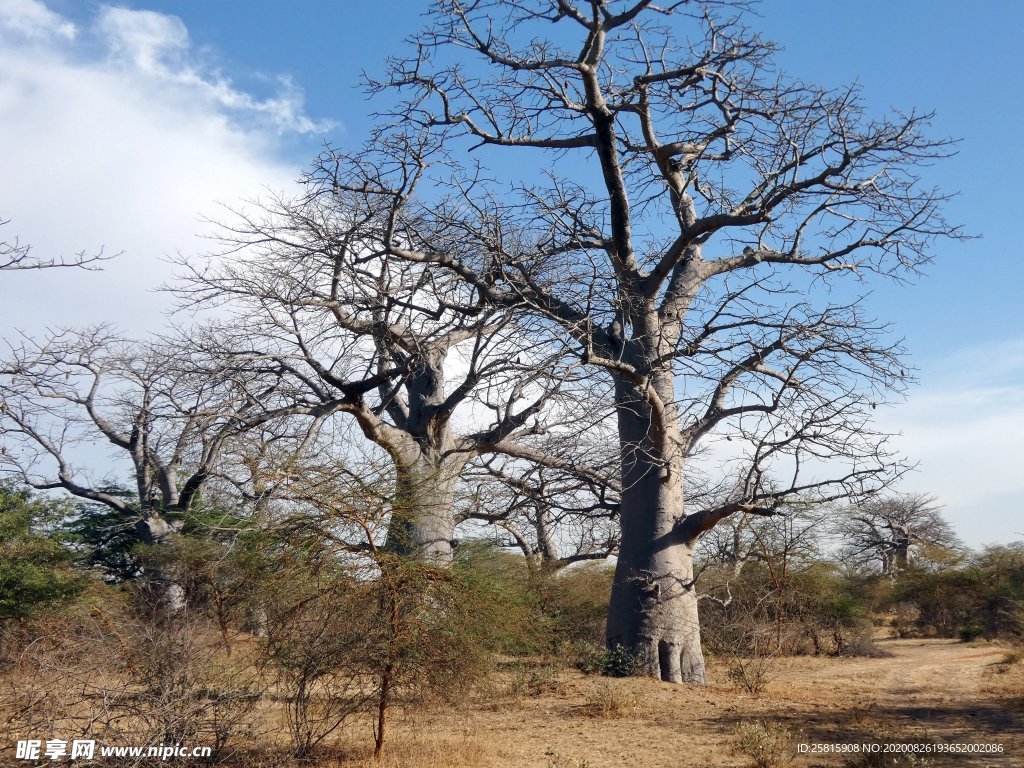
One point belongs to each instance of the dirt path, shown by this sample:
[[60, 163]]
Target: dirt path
[[927, 692], [918, 667], [922, 670]]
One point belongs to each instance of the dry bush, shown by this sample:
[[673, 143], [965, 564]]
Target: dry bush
[[606, 700], [753, 667], [531, 680], [904, 619], [123, 678], [901, 760], [864, 714], [1010, 666], [556, 760], [182, 686], [889, 760], [751, 673], [421, 747], [767, 745], [1005, 680], [814, 610], [373, 636], [315, 649], [862, 644], [881, 732]]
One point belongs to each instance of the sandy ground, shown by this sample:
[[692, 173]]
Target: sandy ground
[[927, 692]]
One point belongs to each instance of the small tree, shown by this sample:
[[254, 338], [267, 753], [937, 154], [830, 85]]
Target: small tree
[[350, 624], [317, 642], [35, 569]]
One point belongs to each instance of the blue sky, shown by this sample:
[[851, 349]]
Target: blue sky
[[120, 127]]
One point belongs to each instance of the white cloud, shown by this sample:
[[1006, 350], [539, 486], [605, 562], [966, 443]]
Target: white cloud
[[144, 38], [33, 20], [157, 47], [963, 424], [121, 137]]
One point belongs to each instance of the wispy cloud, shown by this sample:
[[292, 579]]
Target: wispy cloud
[[158, 48], [32, 20], [119, 132]]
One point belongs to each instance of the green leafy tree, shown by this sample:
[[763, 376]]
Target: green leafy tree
[[35, 568], [104, 539]]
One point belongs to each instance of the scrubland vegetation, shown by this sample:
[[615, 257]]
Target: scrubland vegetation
[[594, 290], [287, 649]]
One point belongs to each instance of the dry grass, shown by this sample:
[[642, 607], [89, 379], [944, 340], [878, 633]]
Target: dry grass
[[766, 744], [928, 691], [752, 673], [1011, 660], [420, 749], [523, 680], [608, 700]]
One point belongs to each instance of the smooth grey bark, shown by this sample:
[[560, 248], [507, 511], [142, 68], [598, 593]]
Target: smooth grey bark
[[653, 607], [427, 460], [423, 521], [901, 554], [427, 465], [166, 591]]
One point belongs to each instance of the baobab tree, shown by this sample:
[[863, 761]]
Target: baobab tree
[[889, 530], [684, 216], [168, 418], [431, 377]]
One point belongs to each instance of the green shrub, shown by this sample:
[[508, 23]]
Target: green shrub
[[588, 657], [970, 632], [35, 568], [620, 661], [535, 609], [768, 745], [983, 597]]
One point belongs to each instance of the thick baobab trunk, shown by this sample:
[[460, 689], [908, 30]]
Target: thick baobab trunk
[[653, 608], [428, 465], [902, 554], [166, 592], [155, 529], [423, 523]]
